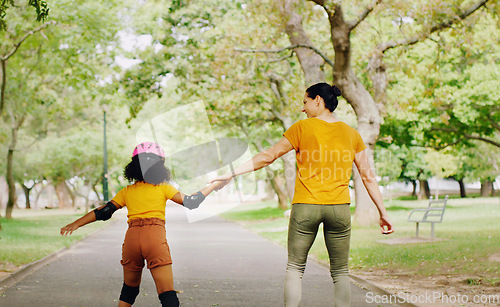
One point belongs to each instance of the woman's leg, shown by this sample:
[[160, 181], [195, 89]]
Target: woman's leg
[[164, 281], [130, 290], [302, 230], [337, 232]]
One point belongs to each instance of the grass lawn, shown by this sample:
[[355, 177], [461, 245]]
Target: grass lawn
[[31, 237], [470, 230]]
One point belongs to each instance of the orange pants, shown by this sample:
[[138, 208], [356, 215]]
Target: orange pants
[[145, 240]]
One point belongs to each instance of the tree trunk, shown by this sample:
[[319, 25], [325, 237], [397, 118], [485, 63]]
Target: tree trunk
[[424, 191], [39, 193], [3, 183], [310, 62], [10, 160], [343, 76], [278, 187], [486, 188], [4, 192], [269, 190], [72, 195], [1, 200], [94, 188], [414, 191], [378, 76], [86, 197], [3, 85], [463, 193], [11, 183], [27, 194], [63, 195]]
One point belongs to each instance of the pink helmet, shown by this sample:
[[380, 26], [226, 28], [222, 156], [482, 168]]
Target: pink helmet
[[148, 147]]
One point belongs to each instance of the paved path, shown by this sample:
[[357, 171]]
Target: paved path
[[216, 263]]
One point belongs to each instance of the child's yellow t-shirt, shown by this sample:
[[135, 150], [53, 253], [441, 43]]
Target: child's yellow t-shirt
[[325, 153], [144, 200]]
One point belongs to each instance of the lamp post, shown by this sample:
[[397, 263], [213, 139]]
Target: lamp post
[[105, 162]]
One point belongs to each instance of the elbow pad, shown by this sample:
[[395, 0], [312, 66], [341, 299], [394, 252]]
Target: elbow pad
[[193, 201], [105, 212]]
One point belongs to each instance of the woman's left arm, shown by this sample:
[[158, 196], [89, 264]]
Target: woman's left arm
[[371, 184]]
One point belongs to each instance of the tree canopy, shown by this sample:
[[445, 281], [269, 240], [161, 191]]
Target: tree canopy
[[419, 79]]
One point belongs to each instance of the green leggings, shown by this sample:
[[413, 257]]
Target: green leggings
[[302, 230]]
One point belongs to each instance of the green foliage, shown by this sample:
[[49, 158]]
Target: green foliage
[[446, 94], [388, 164], [441, 164], [51, 76], [441, 91], [40, 6], [402, 161], [478, 163]]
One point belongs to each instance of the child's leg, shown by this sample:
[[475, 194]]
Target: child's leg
[[164, 281], [132, 278], [163, 277], [130, 289]]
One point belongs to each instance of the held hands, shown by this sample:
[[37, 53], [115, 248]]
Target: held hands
[[221, 181], [385, 222], [68, 229]]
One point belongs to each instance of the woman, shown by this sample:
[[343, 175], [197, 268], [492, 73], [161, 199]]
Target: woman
[[325, 150], [145, 239]]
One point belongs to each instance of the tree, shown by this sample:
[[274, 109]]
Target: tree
[[360, 73], [40, 6], [78, 157], [367, 94], [442, 164], [368, 106], [443, 94], [243, 95], [448, 87], [480, 162], [48, 68], [388, 164]]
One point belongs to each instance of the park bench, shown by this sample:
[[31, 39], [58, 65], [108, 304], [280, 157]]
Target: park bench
[[432, 214]]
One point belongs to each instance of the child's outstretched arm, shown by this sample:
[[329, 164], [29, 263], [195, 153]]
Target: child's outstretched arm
[[193, 201], [102, 213]]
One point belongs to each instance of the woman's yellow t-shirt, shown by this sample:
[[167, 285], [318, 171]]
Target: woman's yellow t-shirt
[[144, 200], [325, 153]]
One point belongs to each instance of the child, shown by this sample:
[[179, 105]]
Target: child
[[146, 236]]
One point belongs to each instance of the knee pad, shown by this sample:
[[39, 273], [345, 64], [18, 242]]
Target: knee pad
[[169, 299], [129, 294]]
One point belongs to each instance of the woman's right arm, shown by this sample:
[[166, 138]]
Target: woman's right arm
[[371, 184]]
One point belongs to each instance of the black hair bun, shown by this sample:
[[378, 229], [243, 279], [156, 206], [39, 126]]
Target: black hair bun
[[336, 91]]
